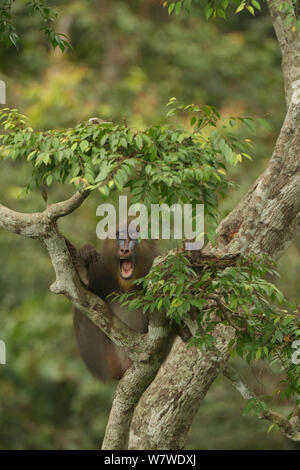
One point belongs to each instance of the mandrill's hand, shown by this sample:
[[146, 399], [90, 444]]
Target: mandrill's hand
[[82, 259]]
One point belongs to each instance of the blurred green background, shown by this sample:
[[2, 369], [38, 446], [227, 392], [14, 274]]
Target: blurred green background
[[128, 59]]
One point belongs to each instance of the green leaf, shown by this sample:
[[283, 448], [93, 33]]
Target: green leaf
[[208, 11], [139, 141], [171, 7], [123, 142], [240, 7], [31, 155], [256, 4], [43, 157], [273, 426], [84, 145], [178, 8], [221, 13], [49, 180], [258, 353]]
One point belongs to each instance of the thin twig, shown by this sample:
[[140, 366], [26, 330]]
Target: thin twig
[[226, 313]]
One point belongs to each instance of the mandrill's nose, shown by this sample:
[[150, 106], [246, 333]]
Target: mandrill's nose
[[124, 252], [124, 248]]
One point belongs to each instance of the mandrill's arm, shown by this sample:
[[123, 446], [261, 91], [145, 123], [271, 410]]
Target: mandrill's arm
[[84, 260], [103, 359]]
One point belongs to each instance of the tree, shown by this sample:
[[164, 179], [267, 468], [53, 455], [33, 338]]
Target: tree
[[152, 410]]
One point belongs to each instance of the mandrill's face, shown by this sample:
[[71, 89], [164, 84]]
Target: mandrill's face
[[127, 257], [127, 245]]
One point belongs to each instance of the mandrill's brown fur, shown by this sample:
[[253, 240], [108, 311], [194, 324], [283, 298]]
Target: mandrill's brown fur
[[101, 274]]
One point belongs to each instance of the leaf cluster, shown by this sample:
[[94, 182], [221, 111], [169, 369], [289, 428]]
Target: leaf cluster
[[48, 16], [212, 8], [219, 9], [161, 164], [241, 296]]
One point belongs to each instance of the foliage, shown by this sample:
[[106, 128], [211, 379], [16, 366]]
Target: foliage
[[159, 164], [237, 295], [211, 8], [219, 8], [8, 32]]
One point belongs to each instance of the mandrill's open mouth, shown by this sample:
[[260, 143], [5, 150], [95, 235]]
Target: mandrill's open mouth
[[126, 268]]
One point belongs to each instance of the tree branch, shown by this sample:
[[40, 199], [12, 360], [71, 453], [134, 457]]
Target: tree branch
[[129, 390], [290, 427], [61, 209], [289, 41], [135, 381], [166, 409], [29, 225], [43, 226], [267, 219], [225, 313], [36, 225], [139, 347]]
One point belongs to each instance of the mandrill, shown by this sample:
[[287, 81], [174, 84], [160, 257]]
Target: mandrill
[[121, 261]]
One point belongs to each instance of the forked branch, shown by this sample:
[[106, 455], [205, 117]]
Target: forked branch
[[42, 225]]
